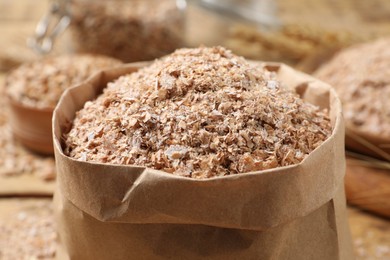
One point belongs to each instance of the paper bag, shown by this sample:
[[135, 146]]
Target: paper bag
[[129, 212]]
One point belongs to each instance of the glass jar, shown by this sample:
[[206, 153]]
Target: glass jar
[[130, 30]]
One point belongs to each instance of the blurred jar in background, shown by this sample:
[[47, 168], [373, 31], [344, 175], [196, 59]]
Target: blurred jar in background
[[302, 33], [210, 22], [130, 30]]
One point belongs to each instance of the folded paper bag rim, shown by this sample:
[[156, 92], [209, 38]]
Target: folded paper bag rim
[[256, 201]]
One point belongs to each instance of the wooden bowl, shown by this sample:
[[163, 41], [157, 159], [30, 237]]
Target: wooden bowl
[[32, 127], [368, 144], [368, 187]]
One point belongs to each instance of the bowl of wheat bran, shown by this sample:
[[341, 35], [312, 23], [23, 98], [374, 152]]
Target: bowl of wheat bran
[[34, 89], [360, 74]]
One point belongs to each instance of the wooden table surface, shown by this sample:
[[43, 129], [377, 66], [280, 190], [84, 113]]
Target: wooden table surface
[[371, 234]]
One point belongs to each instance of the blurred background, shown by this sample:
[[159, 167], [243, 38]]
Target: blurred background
[[301, 33]]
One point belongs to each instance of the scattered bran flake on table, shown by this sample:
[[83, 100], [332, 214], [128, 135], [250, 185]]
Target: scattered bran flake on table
[[198, 113], [40, 84], [29, 233], [361, 76]]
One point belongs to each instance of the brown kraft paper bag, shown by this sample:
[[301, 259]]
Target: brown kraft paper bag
[[129, 212]]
